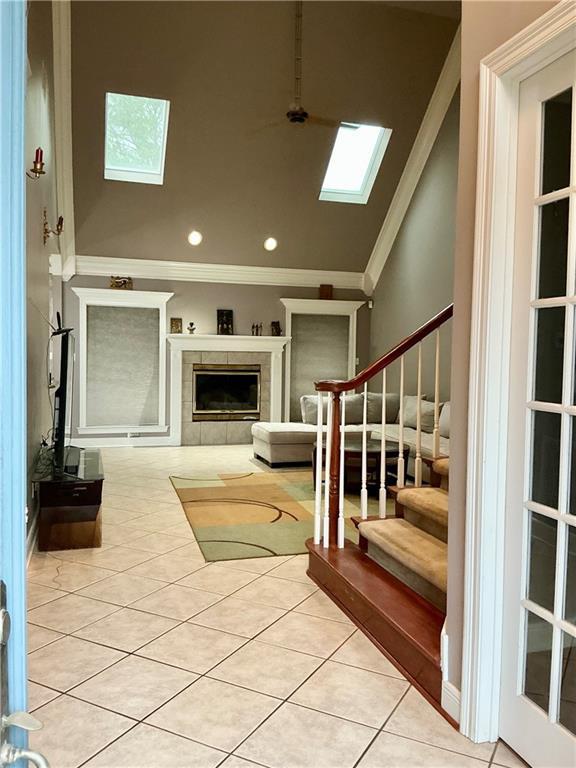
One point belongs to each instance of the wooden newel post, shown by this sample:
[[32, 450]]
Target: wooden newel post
[[334, 489]]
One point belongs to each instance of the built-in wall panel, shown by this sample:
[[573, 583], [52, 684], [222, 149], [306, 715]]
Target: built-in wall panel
[[319, 351], [122, 366]]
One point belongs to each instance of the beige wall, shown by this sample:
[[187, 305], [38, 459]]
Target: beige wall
[[485, 26], [39, 194], [416, 282], [235, 168]]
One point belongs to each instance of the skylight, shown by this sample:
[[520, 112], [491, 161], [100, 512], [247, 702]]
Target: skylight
[[354, 163], [136, 130]]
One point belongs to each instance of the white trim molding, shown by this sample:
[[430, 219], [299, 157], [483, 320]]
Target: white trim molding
[[62, 46], [319, 307], [109, 297], [156, 269], [548, 38], [180, 343], [450, 700], [425, 139]]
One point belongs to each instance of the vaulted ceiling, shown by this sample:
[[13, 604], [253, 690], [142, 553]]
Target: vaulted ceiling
[[235, 168]]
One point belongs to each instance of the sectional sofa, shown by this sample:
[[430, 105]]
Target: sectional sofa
[[292, 442]]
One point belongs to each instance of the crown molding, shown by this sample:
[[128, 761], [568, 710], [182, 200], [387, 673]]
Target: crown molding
[[156, 269], [62, 44], [431, 124]]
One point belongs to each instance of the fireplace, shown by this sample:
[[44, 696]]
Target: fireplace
[[225, 392]]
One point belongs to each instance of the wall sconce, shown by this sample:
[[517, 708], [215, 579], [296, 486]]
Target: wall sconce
[[37, 169], [47, 232]]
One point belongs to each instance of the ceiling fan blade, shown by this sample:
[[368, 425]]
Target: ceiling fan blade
[[325, 121]]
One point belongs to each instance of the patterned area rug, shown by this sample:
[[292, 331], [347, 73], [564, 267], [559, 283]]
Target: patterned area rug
[[260, 514]]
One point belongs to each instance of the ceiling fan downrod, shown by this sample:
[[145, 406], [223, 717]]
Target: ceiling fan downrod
[[296, 113]]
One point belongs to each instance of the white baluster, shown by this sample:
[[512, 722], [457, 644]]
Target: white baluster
[[364, 488], [342, 465], [382, 491], [436, 433], [326, 533], [401, 473], [418, 457], [318, 494]]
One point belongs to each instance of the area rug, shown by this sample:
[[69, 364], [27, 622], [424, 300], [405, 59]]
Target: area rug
[[259, 514]]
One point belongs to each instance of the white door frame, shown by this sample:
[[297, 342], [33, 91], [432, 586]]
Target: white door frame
[[548, 38], [13, 342]]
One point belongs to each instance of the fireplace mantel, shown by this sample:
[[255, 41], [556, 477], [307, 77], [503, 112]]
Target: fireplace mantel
[[180, 342], [194, 342]]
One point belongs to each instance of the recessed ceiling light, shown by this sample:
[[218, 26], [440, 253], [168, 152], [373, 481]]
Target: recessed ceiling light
[[195, 237], [270, 243]]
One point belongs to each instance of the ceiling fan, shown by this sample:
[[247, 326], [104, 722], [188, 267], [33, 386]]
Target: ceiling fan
[[296, 112]]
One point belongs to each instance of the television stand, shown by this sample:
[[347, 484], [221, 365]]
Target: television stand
[[69, 503]]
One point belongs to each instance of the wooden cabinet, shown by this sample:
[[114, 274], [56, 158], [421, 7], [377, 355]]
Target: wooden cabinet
[[69, 506]]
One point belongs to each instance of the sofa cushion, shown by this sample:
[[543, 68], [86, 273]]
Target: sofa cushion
[[355, 409], [410, 413], [309, 409], [375, 407], [427, 440], [293, 432], [445, 420], [284, 432]]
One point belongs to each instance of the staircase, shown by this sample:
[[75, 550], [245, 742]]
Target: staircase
[[412, 545], [393, 583]]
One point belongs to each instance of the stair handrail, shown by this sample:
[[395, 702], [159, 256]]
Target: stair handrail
[[329, 517], [389, 357]]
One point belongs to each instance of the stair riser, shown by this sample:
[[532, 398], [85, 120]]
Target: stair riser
[[412, 580], [423, 672], [426, 524]]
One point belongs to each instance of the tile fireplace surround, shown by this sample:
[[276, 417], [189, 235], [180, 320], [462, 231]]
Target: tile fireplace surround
[[265, 351]]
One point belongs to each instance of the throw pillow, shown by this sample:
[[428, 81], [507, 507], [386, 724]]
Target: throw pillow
[[445, 420], [410, 413], [309, 408], [375, 407]]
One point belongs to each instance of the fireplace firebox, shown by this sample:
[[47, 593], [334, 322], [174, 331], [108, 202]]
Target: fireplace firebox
[[225, 392]]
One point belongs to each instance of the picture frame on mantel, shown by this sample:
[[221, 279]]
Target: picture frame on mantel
[[225, 322], [175, 325]]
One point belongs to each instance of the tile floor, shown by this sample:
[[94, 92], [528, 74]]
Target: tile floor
[[141, 655]]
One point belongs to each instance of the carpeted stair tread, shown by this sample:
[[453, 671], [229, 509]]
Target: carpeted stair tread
[[428, 501], [441, 466], [417, 550]]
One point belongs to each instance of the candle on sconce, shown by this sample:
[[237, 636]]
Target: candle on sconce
[[38, 158]]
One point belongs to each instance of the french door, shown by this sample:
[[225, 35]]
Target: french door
[[538, 688]]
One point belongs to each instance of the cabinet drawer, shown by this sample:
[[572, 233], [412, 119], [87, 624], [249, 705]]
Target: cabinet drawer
[[70, 494]]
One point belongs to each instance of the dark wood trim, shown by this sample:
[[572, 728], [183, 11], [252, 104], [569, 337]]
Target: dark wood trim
[[370, 519], [390, 357], [404, 626]]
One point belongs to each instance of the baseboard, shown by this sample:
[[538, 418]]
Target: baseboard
[[451, 700], [31, 539], [106, 441]]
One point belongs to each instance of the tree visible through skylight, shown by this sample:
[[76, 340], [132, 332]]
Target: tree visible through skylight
[[136, 128], [356, 156]]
